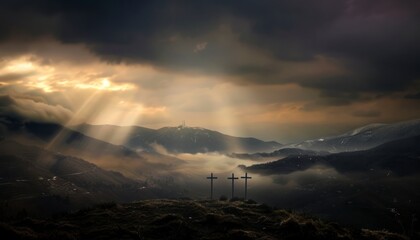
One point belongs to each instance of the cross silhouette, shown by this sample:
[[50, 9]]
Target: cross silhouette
[[233, 178], [246, 183], [211, 184]]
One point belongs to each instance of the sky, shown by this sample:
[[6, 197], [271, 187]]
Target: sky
[[284, 70]]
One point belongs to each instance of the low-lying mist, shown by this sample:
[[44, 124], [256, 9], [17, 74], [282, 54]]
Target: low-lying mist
[[191, 176]]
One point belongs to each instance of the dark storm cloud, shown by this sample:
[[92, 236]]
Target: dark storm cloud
[[375, 41], [32, 108], [334, 98], [413, 96], [366, 113], [254, 71]]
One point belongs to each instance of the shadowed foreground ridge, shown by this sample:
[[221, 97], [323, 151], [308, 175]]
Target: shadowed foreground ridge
[[184, 219]]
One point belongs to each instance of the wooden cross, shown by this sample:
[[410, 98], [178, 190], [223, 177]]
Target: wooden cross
[[211, 184], [246, 183], [233, 178]]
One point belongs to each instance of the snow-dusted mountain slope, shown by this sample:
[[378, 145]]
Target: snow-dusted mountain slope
[[364, 137]]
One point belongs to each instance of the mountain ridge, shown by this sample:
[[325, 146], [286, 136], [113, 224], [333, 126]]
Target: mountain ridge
[[179, 139], [394, 152], [362, 138]]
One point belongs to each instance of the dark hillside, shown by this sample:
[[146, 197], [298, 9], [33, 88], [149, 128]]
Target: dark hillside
[[184, 219]]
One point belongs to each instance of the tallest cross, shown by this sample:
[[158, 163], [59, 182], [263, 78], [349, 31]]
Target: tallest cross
[[246, 183], [233, 178]]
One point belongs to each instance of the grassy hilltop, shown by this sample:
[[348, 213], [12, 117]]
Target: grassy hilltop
[[184, 219]]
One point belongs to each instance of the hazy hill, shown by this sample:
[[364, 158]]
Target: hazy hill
[[179, 139], [281, 153], [43, 182], [184, 219], [401, 157], [363, 138], [57, 138]]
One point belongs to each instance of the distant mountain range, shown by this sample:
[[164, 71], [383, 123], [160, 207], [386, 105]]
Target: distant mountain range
[[362, 138], [400, 157], [179, 139]]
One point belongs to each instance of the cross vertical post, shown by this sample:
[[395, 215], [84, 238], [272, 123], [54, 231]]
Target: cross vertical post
[[211, 185], [233, 178], [246, 184]]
